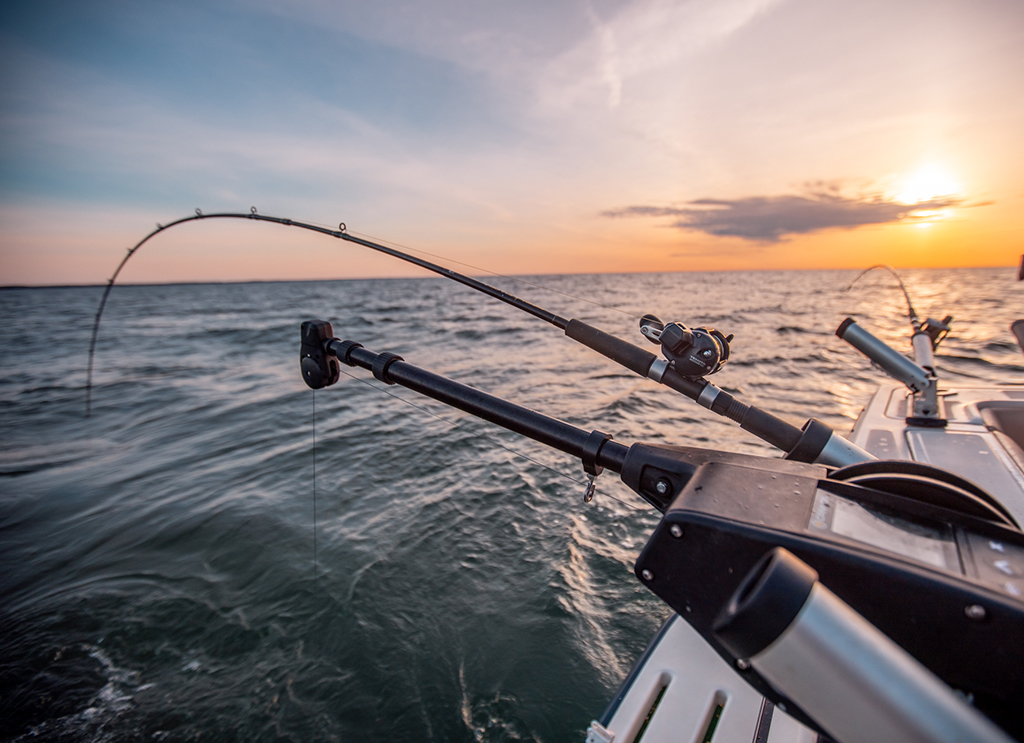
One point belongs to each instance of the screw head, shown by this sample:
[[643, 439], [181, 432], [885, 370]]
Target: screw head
[[975, 612], [646, 574], [707, 353], [661, 486], [742, 664], [676, 530]]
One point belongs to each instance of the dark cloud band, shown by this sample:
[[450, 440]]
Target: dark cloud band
[[770, 218]]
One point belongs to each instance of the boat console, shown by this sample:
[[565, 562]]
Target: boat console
[[947, 587]]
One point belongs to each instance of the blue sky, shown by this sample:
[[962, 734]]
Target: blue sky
[[133, 96], [529, 137]]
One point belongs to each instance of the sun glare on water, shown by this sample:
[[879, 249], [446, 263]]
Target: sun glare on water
[[929, 183]]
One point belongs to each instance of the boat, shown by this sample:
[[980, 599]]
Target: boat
[[841, 593]]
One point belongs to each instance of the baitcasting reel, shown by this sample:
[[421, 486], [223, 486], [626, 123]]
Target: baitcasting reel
[[693, 352]]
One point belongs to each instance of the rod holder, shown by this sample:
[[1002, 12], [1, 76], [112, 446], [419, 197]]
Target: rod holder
[[918, 379], [838, 668]]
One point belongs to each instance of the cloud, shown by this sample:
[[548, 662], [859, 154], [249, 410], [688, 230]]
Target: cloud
[[771, 218], [550, 58], [633, 45]]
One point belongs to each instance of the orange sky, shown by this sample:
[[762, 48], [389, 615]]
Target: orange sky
[[544, 138]]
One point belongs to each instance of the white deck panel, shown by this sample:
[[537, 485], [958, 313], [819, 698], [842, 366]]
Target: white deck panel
[[697, 680]]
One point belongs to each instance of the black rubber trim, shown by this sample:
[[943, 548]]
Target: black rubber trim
[[591, 448], [922, 422], [812, 441], [381, 364], [343, 350], [885, 475], [765, 603], [318, 366], [846, 324], [764, 722]]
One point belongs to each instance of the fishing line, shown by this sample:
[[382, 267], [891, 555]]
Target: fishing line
[[495, 273], [481, 436], [314, 495]]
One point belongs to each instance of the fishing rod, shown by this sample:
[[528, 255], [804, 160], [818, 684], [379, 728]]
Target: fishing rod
[[688, 354], [920, 375], [340, 233]]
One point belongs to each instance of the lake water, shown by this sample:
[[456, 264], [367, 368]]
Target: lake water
[[158, 578]]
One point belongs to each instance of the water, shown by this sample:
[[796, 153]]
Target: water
[[158, 578]]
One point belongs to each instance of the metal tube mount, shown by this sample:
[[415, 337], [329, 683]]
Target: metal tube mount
[[845, 674]]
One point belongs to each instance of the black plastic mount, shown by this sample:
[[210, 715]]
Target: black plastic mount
[[319, 368], [765, 603], [729, 514]]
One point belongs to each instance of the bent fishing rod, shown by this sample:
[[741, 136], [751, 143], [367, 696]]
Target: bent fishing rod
[[689, 354]]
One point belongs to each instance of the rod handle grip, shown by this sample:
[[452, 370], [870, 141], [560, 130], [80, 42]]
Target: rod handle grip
[[620, 351]]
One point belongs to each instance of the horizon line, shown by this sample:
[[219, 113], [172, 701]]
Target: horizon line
[[491, 275]]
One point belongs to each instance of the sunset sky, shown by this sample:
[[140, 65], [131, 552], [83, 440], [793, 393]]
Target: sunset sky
[[525, 137]]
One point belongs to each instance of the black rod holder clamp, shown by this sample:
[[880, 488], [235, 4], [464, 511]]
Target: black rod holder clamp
[[381, 364], [591, 448], [319, 368]]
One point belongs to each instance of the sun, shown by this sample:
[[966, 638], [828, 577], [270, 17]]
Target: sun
[[931, 181]]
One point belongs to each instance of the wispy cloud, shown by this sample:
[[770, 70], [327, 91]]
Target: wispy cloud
[[641, 40], [772, 218]]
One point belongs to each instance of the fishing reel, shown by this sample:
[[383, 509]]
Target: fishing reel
[[693, 352], [937, 330]]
